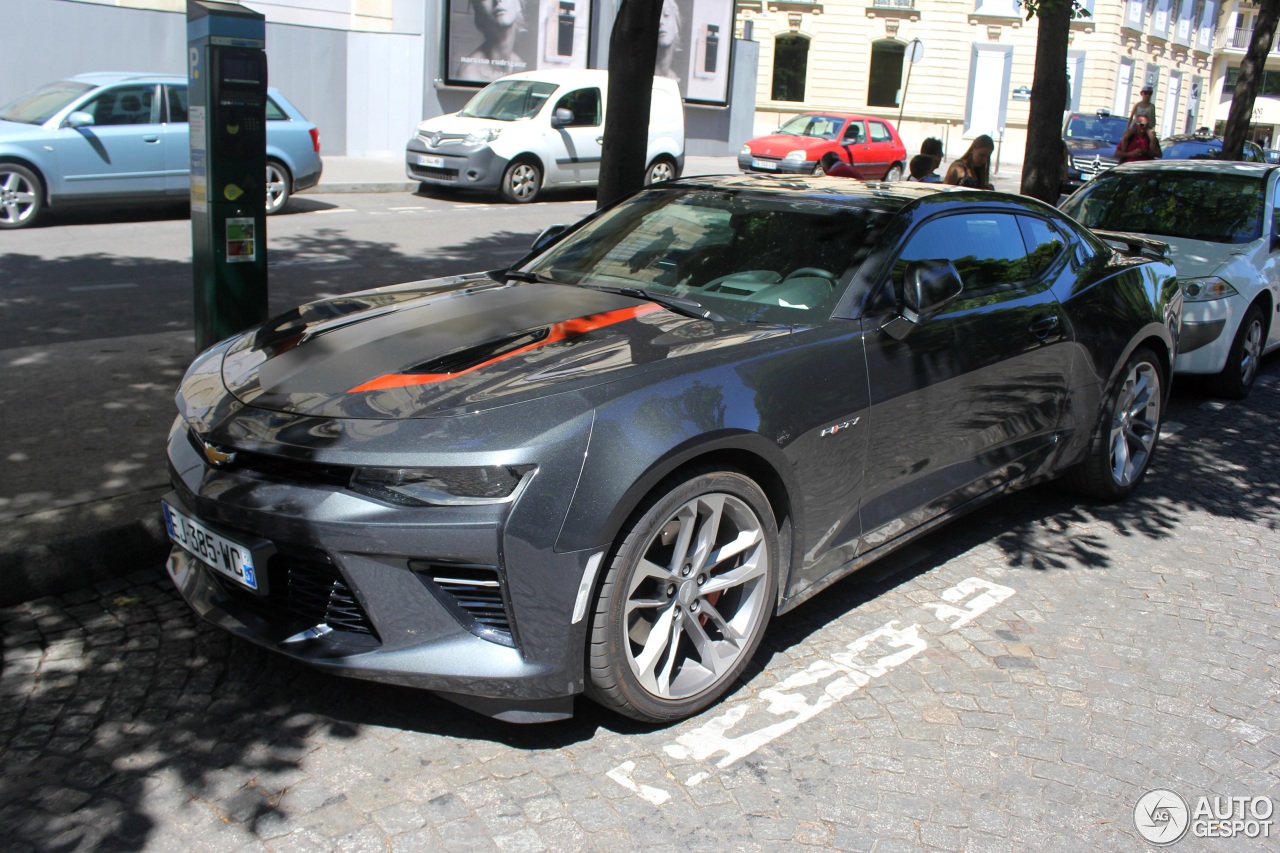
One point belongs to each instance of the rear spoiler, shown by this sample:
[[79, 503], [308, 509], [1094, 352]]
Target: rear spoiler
[[1135, 244]]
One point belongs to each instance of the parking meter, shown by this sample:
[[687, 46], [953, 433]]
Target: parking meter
[[227, 110]]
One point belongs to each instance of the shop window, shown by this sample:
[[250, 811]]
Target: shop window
[[790, 67]]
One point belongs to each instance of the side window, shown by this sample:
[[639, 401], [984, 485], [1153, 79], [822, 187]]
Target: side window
[[585, 106], [986, 248], [123, 105], [853, 133], [177, 98], [1044, 244], [274, 113], [879, 133]]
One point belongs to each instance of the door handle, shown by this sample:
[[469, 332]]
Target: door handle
[[150, 140], [1043, 326], [599, 140]]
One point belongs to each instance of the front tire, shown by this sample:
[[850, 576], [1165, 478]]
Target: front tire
[[521, 182], [1236, 379], [1126, 434], [686, 598], [21, 196], [279, 186]]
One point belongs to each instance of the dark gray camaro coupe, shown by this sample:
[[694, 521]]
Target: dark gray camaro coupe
[[605, 469]]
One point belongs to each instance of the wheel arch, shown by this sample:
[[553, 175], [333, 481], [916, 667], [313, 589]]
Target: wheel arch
[[29, 164]]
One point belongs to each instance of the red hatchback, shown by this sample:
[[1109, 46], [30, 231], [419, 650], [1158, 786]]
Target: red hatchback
[[811, 144]]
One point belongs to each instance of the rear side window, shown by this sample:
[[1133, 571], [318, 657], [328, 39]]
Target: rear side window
[[1044, 244], [879, 133], [274, 113], [177, 99]]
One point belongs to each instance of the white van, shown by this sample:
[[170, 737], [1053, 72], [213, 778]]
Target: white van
[[539, 129]]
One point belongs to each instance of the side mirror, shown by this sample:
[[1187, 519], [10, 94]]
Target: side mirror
[[79, 118], [928, 287], [561, 117], [548, 236]]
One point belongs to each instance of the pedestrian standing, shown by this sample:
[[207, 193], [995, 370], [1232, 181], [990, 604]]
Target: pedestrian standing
[[1144, 108], [973, 169], [1138, 143]]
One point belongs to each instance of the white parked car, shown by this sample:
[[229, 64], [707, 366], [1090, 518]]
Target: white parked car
[[1219, 219]]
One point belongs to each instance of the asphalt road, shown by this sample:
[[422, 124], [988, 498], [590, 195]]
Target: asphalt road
[[108, 274]]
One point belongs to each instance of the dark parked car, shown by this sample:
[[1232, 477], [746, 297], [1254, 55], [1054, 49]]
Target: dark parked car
[[604, 469], [1205, 146], [1091, 141]]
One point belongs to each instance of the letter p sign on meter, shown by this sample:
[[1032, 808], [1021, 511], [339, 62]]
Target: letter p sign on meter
[[227, 95]]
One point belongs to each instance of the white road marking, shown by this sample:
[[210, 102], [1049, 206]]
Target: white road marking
[[846, 673], [85, 287], [335, 210]]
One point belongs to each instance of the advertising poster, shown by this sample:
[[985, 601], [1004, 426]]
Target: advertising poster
[[488, 39], [702, 36], [240, 242]]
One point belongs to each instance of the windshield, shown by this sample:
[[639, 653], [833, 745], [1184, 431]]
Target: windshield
[[745, 255], [509, 100], [1105, 128], [1218, 208], [39, 106], [825, 127]]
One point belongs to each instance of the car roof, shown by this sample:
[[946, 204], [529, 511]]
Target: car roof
[[1214, 167], [107, 78], [886, 195]]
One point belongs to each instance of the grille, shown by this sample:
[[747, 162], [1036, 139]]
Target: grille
[[1091, 166], [281, 469], [306, 587], [434, 174], [474, 595]]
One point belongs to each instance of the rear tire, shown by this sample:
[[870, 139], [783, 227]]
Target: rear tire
[[1236, 379], [279, 186], [661, 169], [894, 173], [521, 182], [21, 196], [686, 598], [1126, 434]]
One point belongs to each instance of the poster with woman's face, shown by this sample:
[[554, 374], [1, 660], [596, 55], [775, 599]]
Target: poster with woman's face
[[489, 39], [695, 38]]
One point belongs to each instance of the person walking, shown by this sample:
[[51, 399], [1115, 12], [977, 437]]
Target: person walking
[[973, 168], [1138, 143]]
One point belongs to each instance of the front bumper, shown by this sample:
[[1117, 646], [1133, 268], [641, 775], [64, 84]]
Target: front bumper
[[779, 167], [1208, 329], [479, 168], [448, 599]]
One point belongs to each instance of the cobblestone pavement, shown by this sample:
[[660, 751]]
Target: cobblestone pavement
[[1014, 682]]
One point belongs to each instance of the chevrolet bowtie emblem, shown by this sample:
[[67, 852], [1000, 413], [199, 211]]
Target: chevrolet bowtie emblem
[[216, 455]]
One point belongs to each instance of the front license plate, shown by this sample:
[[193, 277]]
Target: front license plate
[[432, 162], [230, 558], [764, 164]]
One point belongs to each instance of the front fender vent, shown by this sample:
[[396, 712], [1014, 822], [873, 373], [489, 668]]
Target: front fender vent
[[474, 594]]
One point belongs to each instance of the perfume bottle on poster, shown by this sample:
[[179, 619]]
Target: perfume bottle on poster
[[708, 56], [559, 31]]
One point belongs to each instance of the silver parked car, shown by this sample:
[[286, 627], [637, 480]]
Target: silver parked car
[[122, 138]]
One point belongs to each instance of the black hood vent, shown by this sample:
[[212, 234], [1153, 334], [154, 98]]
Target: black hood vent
[[469, 357]]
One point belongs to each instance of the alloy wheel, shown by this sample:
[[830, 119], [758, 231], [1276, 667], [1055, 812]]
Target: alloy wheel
[[1135, 422], [18, 200], [696, 597], [1250, 352]]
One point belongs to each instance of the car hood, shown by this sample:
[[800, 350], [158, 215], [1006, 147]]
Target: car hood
[[1091, 148], [779, 144], [454, 124], [16, 131], [1200, 258], [459, 345]]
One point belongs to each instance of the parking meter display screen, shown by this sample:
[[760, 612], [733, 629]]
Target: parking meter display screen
[[240, 69]]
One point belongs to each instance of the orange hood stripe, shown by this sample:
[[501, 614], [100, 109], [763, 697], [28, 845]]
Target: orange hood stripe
[[558, 332]]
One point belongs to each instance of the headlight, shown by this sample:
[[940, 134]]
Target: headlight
[[796, 155], [1206, 289], [489, 484], [480, 137], [745, 149]]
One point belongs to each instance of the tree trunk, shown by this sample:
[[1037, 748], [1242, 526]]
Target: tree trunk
[[633, 51], [1042, 162], [1242, 98]]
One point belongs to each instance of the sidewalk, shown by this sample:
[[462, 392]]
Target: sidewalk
[[83, 424]]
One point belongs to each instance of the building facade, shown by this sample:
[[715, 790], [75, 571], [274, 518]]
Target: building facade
[[1230, 46], [974, 63], [367, 71]]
